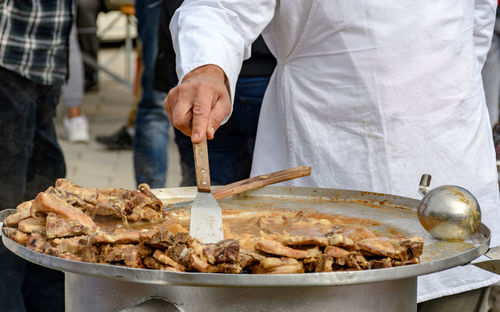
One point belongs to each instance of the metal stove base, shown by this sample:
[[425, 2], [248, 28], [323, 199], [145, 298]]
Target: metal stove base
[[86, 293]]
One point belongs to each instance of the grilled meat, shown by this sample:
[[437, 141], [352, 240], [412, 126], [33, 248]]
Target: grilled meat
[[278, 249], [23, 211], [122, 227]]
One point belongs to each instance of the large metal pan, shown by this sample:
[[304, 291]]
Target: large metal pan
[[393, 213]]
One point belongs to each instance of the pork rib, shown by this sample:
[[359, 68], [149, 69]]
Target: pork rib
[[276, 248], [47, 203]]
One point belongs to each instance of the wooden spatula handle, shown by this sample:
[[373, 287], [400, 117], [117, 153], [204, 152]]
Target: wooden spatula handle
[[260, 181], [201, 166]]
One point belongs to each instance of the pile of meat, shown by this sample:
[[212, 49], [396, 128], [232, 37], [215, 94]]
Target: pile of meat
[[121, 227]]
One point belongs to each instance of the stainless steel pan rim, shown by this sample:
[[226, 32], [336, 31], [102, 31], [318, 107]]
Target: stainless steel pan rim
[[263, 280], [241, 280]]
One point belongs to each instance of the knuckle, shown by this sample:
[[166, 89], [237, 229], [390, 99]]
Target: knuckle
[[200, 110], [201, 86], [177, 124], [218, 119], [180, 124]]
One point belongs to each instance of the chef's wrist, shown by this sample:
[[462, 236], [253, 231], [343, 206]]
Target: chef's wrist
[[210, 69]]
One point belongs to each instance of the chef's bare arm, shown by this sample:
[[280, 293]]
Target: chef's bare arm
[[202, 100]]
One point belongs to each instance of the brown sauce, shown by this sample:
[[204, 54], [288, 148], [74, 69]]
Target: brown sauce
[[238, 223]]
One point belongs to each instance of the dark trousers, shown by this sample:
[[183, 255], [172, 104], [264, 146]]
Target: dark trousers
[[86, 22], [30, 161], [231, 151], [151, 126]]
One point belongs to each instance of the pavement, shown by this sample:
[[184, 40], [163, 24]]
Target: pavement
[[107, 110]]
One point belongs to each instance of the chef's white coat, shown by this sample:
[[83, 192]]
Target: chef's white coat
[[370, 94]]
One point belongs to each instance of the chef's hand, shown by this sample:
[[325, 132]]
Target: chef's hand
[[202, 100]]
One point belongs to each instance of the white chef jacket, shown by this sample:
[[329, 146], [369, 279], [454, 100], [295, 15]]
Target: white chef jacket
[[370, 94]]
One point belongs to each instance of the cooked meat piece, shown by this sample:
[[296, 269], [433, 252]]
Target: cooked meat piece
[[409, 261], [338, 254], [144, 250], [223, 251], [23, 211], [36, 242], [278, 266], [57, 226], [305, 240], [72, 245], [408, 248], [157, 237], [143, 213], [109, 206], [377, 247], [247, 258], [19, 237], [233, 268], [155, 203], [32, 225], [323, 264], [276, 248], [356, 261], [340, 240], [163, 258], [380, 263], [130, 254], [48, 203], [152, 263], [90, 253], [119, 236], [199, 264], [76, 195], [360, 234], [181, 238], [130, 200], [118, 202], [179, 253]]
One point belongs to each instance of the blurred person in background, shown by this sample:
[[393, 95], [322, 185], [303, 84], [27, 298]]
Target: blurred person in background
[[230, 154], [87, 13], [33, 67], [86, 21], [150, 141], [76, 128]]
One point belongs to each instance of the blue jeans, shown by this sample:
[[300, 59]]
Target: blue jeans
[[151, 127], [30, 161], [231, 151]]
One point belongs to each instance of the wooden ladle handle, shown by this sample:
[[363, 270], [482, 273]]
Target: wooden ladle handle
[[260, 181]]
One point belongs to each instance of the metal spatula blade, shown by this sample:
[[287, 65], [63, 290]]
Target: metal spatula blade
[[206, 219], [206, 214]]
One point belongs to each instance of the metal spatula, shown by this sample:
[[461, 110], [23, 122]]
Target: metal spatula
[[206, 214]]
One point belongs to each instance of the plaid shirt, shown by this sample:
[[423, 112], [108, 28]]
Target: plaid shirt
[[34, 38]]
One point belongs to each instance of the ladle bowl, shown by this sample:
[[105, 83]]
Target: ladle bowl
[[448, 212]]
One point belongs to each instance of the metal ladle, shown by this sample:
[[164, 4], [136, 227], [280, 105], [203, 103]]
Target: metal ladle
[[448, 212]]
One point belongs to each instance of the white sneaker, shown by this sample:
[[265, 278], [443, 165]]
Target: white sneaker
[[77, 129]]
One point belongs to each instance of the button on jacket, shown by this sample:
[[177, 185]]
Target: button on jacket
[[370, 94]]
